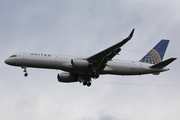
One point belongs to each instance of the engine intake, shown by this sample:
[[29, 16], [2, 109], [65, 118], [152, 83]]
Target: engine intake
[[66, 77]]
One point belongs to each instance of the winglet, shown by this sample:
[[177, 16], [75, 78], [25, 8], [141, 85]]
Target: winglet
[[131, 34]]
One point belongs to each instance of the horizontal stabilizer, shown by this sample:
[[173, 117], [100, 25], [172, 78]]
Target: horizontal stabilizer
[[163, 63]]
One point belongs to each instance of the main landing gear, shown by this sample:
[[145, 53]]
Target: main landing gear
[[87, 80], [25, 70]]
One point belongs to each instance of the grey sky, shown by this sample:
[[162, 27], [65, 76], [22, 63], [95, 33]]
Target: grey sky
[[83, 28]]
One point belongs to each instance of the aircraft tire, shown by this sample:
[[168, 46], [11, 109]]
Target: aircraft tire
[[26, 74], [89, 84], [95, 75], [85, 83]]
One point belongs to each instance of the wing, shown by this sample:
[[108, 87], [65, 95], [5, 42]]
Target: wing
[[100, 59]]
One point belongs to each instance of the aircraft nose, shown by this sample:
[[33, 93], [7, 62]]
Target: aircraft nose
[[7, 61]]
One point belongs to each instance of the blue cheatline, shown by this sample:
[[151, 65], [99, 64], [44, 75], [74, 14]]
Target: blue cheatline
[[156, 55]]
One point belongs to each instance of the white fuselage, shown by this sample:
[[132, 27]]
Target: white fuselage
[[49, 61]]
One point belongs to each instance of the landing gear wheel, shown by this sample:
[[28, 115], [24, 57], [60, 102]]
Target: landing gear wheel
[[26, 74], [95, 75], [85, 83], [89, 84]]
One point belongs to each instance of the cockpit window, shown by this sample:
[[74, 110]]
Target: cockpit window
[[13, 56]]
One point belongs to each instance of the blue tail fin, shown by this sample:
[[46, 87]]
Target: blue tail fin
[[156, 55]]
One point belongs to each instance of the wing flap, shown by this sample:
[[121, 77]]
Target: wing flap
[[103, 62]]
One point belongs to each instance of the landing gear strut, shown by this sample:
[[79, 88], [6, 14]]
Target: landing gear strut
[[25, 70]]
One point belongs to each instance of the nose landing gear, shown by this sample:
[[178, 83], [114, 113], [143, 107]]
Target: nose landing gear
[[25, 70]]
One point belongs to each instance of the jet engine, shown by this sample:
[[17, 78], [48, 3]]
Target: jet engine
[[66, 77], [80, 63]]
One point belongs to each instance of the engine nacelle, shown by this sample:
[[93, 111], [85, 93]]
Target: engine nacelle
[[80, 63], [66, 77]]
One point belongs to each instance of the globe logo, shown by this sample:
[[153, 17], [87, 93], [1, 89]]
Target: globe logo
[[152, 57]]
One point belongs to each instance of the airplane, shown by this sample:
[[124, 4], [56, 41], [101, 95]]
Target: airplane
[[86, 69]]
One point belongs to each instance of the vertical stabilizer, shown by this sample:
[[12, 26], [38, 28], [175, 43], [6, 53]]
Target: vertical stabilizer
[[156, 55]]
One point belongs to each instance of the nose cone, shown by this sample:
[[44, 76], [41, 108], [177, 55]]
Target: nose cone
[[7, 61]]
